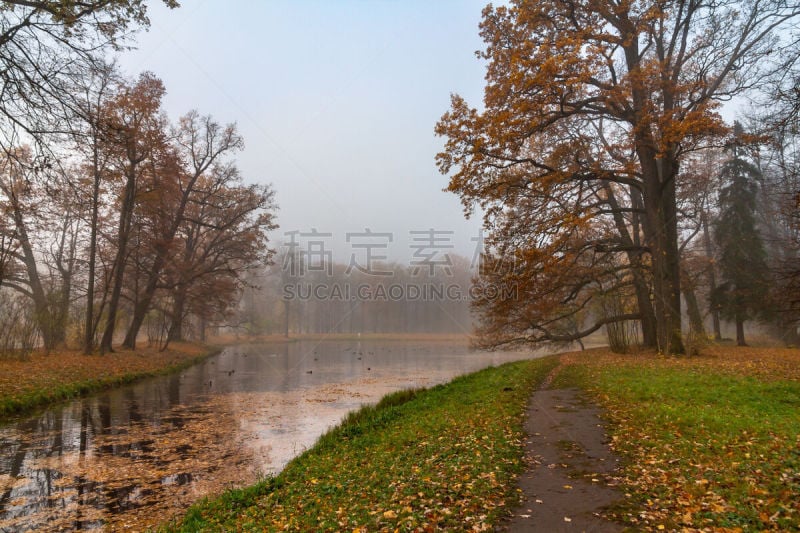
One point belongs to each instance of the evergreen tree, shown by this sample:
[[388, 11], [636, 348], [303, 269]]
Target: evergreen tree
[[743, 295]]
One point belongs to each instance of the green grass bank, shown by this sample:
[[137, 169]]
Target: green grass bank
[[434, 459], [709, 443]]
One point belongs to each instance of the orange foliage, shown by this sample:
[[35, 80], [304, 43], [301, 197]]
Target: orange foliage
[[43, 373], [586, 98]]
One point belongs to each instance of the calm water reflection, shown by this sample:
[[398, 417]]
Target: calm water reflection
[[132, 457]]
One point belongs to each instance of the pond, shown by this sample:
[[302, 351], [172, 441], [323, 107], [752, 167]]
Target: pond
[[132, 457]]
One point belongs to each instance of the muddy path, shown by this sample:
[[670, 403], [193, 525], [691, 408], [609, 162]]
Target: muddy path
[[570, 478]]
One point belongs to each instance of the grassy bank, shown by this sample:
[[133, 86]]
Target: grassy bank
[[440, 458], [709, 443], [43, 379]]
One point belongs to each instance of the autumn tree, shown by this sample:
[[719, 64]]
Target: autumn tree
[[18, 201], [779, 160], [46, 49], [589, 109], [200, 143], [221, 238], [40, 240], [138, 136], [89, 132]]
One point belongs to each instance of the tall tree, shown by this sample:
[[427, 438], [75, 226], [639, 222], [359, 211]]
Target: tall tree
[[201, 143], [89, 134], [137, 127], [581, 93], [222, 237], [39, 210], [743, 294], [780, 120]]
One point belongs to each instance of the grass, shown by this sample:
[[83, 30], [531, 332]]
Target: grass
[[44, 379], [709, 443], [435, 459]]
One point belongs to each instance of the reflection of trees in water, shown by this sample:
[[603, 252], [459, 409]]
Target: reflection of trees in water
[[139, 454], [94, 461]]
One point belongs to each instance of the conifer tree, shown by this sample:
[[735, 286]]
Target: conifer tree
[[743, 295]]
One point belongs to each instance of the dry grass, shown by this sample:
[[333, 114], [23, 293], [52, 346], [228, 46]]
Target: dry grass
[[759, 362]]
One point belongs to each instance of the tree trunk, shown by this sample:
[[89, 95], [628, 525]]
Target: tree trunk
[[202, 325], [88, 334], [125, 216], [62, 311], [632, 240], [712, 276], [65, 264], [648, 317], [42, 311], [692, 308], [659, 200], [143, 305], [659, 168], [740, 332], [178, 304]]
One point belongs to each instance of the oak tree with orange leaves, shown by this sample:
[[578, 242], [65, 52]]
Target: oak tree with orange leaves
[[589, 108]]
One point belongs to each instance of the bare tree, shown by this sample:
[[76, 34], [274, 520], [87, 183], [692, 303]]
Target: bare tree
[[43, 46]]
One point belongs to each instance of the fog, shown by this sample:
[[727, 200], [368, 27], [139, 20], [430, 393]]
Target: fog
[[336, 101]]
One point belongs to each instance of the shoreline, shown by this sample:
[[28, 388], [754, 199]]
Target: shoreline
[[392, 464], [65, 375], [433, 460], [25, 391]]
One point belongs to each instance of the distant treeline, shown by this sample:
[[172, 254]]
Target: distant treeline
[[338, 298]]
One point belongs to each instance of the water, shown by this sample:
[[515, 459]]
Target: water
[[133, 457]]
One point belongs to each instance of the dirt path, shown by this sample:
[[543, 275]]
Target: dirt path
[[569, 480]]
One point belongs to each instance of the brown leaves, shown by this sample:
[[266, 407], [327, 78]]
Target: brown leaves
[[710, 442], [45, 375]]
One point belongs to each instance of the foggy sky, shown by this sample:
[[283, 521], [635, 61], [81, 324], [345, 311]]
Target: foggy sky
[[337, 102]]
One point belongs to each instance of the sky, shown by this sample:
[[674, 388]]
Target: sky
[[337, 102]]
